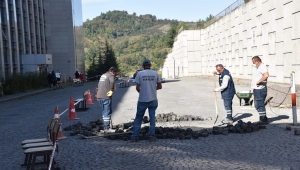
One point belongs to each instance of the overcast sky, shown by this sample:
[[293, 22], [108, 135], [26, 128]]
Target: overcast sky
[[187, 10]]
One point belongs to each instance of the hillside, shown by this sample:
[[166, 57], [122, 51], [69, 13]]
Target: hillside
[[133, 38]]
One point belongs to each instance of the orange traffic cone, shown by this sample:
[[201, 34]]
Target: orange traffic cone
[[89, 98], [56, 114], [95, 94], [57, 117], [72, 112]]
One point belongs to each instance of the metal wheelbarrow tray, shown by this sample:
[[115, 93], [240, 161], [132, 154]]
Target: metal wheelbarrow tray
[[246, 95]]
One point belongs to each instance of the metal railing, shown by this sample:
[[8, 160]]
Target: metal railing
[[226, 11]]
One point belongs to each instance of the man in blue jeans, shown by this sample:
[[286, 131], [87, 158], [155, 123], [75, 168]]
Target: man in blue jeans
[[227, 90], [147, 82], [104, 95], [259, 84]]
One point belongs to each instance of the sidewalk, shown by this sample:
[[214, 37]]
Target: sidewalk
[[7, 98]]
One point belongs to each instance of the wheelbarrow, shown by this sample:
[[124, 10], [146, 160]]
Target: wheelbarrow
[[246, 95]]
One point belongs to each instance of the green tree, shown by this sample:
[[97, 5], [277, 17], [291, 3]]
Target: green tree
[[92, 70], [172, 32], [210, 17], [102, 61], [109, 59], [200, 23], [132, 38], [182, 26]]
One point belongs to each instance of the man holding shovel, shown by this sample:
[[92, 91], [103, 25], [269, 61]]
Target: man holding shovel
[[227, 90]]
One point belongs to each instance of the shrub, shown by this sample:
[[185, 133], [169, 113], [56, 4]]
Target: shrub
[[22, 82]]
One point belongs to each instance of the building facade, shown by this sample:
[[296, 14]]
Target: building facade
[[64, 34], [41, 35]]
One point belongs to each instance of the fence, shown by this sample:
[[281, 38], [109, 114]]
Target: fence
[[226, 11]]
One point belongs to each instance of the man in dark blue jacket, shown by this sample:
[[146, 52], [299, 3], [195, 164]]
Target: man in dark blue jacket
[[227, 90]]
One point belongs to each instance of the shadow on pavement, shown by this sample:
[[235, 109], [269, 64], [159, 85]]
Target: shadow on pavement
[[279, 117], [171, 81], [241, 116]]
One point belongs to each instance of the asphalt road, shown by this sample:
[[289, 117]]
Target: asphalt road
[[25, 116]]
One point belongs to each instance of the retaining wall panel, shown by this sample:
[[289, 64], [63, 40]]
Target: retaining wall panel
[[287, 16], [258, 25], [295, 6], [197, 34], [189, 35], [190, 57], [271, 38], [279, 30], [258, 9], [197, 56], [287, 69], [265, 12], [197, 46], [287, 40], [245, 56], [184, 51], [279, 10], [190, 46], [296, 25], [296, 52], [272, 26], [265, 34], [279, 54], [241, 67], [183, 40], [254, 50], [258, 43], [249, 45]]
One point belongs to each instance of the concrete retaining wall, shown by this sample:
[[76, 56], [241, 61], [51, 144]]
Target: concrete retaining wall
[[267, 28]]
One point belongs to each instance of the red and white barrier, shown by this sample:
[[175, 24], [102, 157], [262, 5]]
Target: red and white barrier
[[293, 91]]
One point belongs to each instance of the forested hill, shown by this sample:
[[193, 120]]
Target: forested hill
[[133, 38]]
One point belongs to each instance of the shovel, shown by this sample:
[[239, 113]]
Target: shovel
[[217, 114]]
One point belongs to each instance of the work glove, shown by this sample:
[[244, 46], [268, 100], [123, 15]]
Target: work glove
[[109, 93]]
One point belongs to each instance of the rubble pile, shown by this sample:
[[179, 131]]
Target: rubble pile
[[123, 131]]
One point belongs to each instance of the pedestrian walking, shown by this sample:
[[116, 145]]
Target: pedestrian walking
[[54, 78], [227, 90], [57, 74], [104, 95], [147, 84], [76, 74], [50, 79], [259, 85]]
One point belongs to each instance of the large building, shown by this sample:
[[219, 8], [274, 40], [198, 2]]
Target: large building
[[269, 29], [41, 35]]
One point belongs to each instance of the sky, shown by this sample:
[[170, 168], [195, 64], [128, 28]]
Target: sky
[[183, 10]]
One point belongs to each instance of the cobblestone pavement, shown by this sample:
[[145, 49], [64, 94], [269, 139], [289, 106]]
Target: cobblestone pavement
[[271, 148]]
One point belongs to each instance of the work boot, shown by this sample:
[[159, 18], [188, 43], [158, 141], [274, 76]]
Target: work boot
[[152, 138], [134, 139], [263, 120], [228, 121]]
